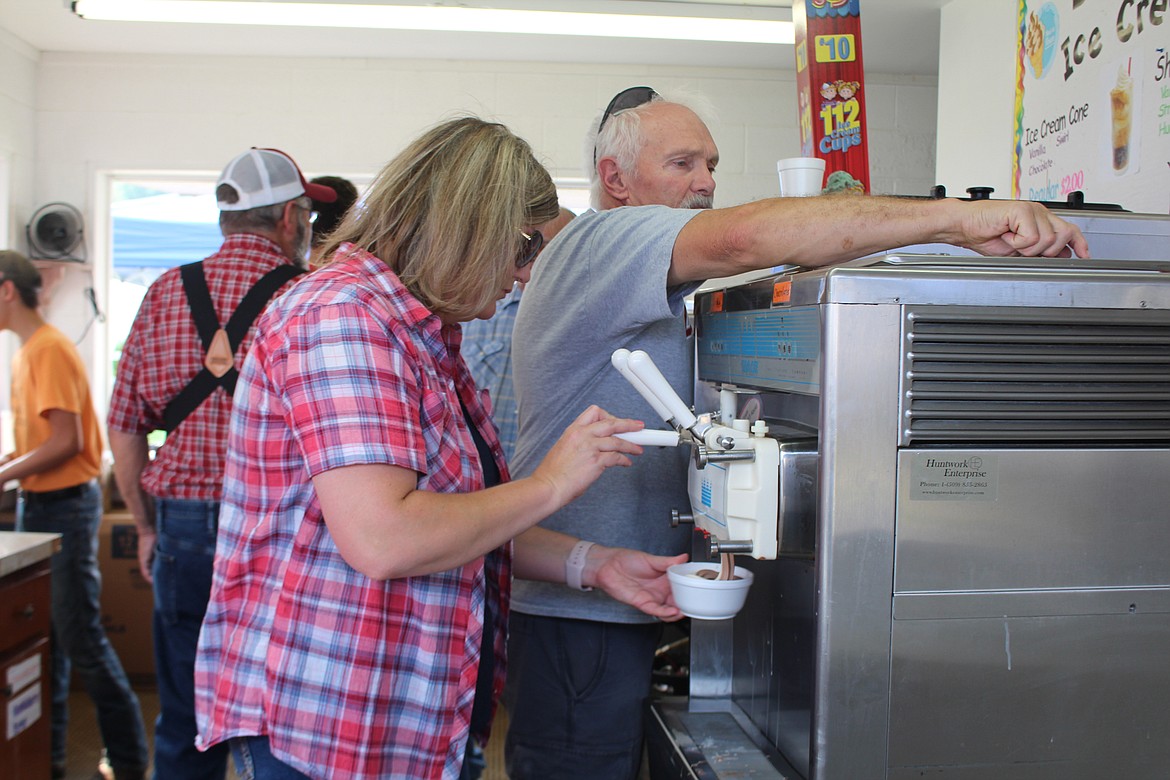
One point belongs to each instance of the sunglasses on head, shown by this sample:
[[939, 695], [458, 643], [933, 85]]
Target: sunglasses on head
[[530, 248], [631, 97]]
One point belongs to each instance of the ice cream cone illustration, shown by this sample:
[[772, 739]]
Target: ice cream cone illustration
[[1034, 43]]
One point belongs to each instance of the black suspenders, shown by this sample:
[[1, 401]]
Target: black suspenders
[[207, 324]]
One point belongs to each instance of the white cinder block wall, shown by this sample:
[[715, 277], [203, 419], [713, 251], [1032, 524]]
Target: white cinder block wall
[[101, 111], [976, 109], [95, 114], [18, 65]]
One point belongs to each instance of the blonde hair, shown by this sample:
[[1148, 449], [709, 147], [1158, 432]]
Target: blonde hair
[[446, 214]]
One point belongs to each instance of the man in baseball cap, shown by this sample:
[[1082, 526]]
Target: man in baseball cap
[[265, 177], [177, 373]]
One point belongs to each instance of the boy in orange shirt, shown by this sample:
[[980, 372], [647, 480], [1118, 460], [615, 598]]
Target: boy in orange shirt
[[57, 460]]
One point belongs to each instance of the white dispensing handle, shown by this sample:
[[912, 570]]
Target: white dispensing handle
[[643, 367], [651, 438], [620, 360]]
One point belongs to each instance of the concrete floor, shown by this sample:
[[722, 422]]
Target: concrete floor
[[85, 744]]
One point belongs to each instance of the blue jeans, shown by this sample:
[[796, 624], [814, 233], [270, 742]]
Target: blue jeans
[[254, 761], [576, 696], [79, 641], [183, 562], [474, 761]]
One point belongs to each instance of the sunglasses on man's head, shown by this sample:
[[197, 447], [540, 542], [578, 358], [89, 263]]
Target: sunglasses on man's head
[[530, 248], [627, 98]]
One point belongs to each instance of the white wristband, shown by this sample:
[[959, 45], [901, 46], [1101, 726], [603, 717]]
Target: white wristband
[[575, 564]]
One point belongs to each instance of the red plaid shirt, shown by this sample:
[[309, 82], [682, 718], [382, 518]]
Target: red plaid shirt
[[163, 353], [350, 678]]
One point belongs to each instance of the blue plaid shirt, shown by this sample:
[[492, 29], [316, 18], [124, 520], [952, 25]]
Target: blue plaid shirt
[[487, 348]]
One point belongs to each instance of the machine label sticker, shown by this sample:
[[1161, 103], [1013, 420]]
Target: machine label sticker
[[782, 292], [22, 674], [954, 477], [124, 542], [24, 710], [717, 301]]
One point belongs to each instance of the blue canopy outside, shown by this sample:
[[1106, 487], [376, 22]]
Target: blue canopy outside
[[147, 247]]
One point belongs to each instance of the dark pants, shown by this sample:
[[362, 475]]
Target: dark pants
[[79, 641], [254, 761], [183, 565], [576, 697]]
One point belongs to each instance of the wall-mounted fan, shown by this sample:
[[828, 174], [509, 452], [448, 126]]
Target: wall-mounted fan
[[55, 233]]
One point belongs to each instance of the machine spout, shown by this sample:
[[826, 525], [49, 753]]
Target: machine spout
[[739, 546]]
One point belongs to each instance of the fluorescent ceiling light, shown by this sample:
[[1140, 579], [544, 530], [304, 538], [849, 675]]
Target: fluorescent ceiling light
[[441, 18]]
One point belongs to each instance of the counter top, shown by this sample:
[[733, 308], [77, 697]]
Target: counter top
[[18, 550]]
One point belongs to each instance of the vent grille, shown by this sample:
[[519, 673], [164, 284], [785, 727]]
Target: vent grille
[[1036, 376]]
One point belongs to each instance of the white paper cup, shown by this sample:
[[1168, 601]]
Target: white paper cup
[[801, 177], [705, 599]]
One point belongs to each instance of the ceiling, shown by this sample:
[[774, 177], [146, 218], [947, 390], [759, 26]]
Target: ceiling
[[900, 36]]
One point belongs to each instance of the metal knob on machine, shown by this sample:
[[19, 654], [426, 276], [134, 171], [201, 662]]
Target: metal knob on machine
[[703, 455], [677, 518]]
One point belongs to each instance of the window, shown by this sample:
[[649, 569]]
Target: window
[[157, 222], [154, 226]]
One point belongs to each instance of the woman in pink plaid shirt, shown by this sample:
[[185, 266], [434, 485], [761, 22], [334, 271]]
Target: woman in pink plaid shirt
[[364, 562]]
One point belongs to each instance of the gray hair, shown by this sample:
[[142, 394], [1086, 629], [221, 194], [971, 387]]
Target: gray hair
[[262, 219], [621, 138]]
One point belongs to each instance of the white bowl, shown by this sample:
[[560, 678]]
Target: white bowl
[[706, 599]]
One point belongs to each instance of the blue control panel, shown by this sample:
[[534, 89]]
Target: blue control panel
[[769, 349]]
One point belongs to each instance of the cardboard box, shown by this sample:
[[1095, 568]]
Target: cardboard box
[[127, 598]]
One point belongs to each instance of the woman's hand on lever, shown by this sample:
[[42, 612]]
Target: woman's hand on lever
[[586, 448]]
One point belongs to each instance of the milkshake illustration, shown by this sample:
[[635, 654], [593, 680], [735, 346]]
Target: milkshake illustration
[[1121, 103]]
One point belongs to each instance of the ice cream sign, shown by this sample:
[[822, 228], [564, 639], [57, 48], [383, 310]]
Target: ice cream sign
[[1093, 102], [1134, 17], [830, 80]]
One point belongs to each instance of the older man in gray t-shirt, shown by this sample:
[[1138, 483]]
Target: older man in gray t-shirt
[[563, 342]]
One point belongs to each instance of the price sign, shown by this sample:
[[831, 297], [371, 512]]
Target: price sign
[[835, 48], [830, 81]]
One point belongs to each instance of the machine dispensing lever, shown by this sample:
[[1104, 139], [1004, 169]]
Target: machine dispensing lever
[[621, 361], [643, 368], [652, 438]]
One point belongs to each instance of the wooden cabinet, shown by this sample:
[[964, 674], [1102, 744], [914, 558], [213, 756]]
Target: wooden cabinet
[[25, 671]]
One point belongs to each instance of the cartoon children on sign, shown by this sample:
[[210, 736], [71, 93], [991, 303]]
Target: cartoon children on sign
[[841, 93]]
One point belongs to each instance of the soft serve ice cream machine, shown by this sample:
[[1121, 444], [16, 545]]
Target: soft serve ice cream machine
[[964, 568], [731, 479]]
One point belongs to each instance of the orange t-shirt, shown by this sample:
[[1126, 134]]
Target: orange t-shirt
[[47, 374]]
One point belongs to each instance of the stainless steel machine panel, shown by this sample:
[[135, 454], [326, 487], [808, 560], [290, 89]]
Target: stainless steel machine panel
[[1031, 612], [988, 594], [1061, 697], [1059, 520]]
